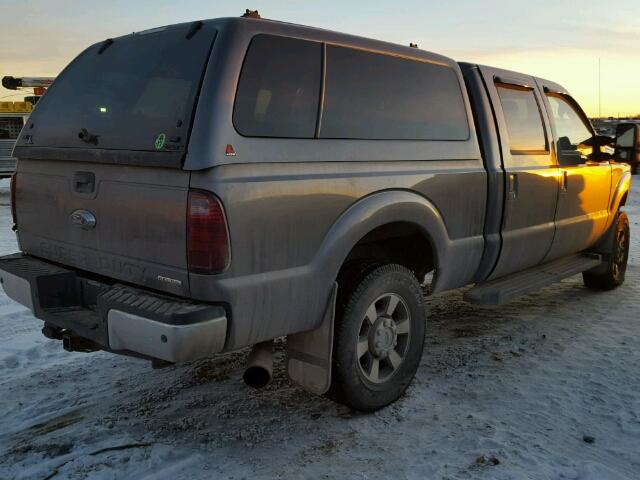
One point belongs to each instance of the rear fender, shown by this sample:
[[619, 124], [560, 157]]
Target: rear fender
[[455, 261], [285, 302]]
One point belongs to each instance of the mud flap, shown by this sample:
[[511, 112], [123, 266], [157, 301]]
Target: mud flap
[[309, 353], [604, 247]]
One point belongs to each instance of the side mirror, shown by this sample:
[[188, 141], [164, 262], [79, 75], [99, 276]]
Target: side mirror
[[568, 154], [627, 144], [601, 148], [598, 141]]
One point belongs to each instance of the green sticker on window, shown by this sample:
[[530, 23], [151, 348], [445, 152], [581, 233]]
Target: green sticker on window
[[160, 141]]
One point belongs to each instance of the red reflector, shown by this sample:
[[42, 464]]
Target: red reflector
[[13, 199], [207, 238], [229, 151]]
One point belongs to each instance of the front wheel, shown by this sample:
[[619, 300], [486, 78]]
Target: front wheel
[[379, 336], [611, 274]]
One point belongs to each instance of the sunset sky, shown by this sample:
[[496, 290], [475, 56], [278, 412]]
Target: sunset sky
[[557, 39]]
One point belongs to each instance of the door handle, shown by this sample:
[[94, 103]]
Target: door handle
[[564, 181], [512, 185]]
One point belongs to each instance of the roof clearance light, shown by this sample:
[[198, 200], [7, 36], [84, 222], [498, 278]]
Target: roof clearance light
[[103, 109]]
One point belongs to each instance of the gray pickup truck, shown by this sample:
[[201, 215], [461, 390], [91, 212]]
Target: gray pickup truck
[[204, 187]]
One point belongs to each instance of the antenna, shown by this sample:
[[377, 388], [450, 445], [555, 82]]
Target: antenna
[[599, 90]]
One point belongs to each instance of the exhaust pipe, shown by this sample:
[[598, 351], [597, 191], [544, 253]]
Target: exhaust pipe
[[259, 365]]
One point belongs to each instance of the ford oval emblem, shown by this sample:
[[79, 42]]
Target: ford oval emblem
[[84, 219]]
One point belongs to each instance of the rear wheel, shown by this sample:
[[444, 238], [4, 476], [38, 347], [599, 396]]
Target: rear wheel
[[611, 274], [379, 336]]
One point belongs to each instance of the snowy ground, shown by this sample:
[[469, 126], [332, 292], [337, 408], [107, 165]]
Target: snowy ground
[[503, 393]]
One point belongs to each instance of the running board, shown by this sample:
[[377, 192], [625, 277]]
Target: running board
[[504, 289]]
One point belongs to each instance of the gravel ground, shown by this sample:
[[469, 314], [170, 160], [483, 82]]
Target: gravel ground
[[546, 387]]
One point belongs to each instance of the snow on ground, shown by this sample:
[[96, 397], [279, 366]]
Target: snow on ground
[[505, 392]]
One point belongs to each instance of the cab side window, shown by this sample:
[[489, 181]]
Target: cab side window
[[571, 130], [523, 119]]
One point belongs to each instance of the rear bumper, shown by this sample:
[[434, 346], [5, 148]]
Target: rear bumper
[[117, 318]]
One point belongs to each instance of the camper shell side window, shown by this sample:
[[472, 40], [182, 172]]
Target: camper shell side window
[[293, 88]]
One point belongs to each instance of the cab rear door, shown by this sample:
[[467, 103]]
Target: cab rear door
[[530, 170]]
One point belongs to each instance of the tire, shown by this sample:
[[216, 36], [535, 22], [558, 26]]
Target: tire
[[611, 274], [378, 336]]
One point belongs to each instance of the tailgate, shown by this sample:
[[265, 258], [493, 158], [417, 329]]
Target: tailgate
[[123, 222]]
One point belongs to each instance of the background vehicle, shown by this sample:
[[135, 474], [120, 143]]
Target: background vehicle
[[13, 116], [284, 180]]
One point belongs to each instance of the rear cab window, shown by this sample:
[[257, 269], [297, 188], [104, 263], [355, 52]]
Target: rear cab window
[[286, 91], [524, 120], [133, 93]]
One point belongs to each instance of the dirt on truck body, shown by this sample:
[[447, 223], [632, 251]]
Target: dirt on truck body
[[217, 184]]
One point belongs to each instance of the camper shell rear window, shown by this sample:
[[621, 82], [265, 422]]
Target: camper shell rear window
[[133, 93]]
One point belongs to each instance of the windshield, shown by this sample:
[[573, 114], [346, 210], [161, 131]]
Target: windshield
[[133, 93]]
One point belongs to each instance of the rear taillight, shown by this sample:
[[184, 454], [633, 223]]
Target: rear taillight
[[207, 237], [13, 199]]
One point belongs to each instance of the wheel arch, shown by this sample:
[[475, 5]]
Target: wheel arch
[[620, 192], [379, 211], [400, 242]]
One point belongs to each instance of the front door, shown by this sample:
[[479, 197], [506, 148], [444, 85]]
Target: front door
[[530, 171], [585, 184]]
